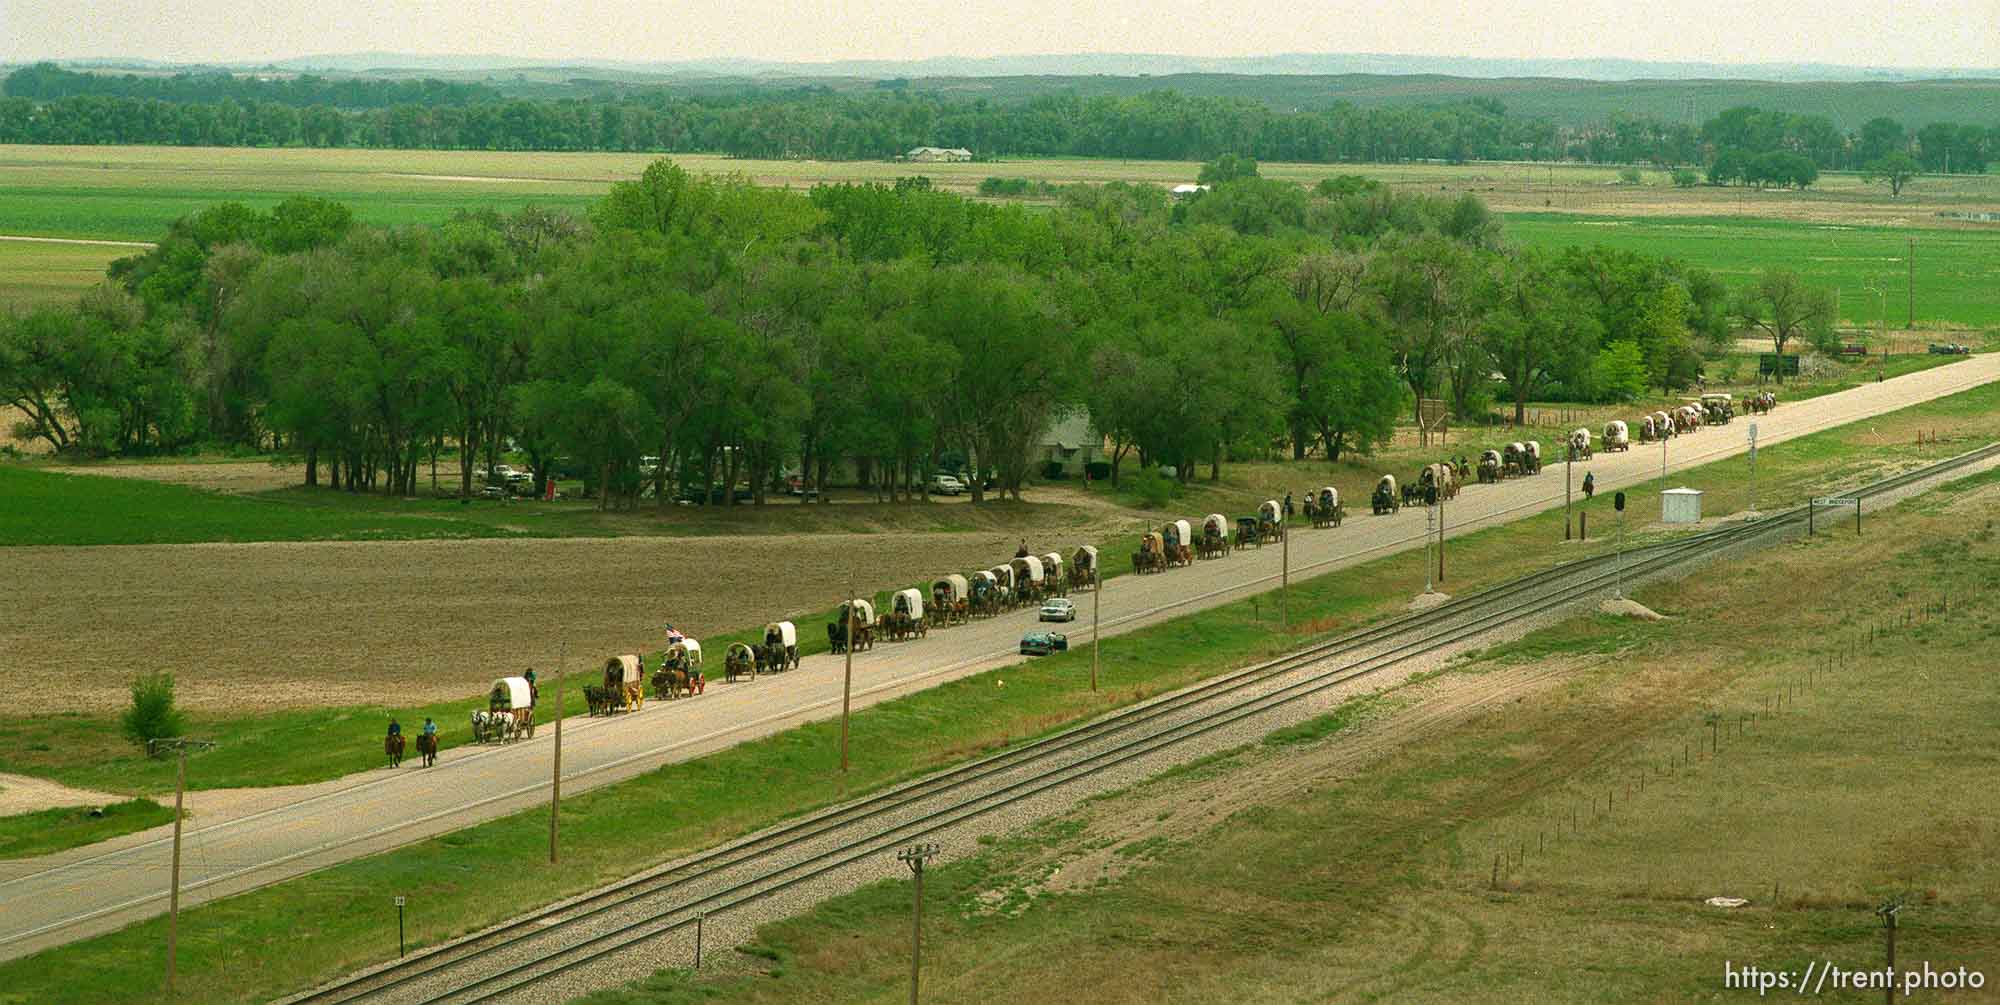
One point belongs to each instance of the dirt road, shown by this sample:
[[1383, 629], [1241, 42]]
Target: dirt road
[[252, 839]]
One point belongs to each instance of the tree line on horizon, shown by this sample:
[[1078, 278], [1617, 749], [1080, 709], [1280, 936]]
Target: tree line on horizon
[[49, 105], [700, 331]]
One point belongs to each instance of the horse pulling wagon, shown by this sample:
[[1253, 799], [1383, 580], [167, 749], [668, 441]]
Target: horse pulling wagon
[[1270, 522], [1028, 579], [1491, 468], [1617, 436], [906, 616], [509, 714], [1579, 445], [781, 647], [1214, 541], [951, 601], [1053, 582], [1008, 596], [1719, 407], [985, 595], [623, 687], [1437, 481], [1083, 569], [1323, 508], [1385, 499], [1179, 540], [1151, 556], [739, 660], [680, 674], [860, 615]]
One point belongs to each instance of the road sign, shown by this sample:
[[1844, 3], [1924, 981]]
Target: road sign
[[399, 901], [1836, 501]]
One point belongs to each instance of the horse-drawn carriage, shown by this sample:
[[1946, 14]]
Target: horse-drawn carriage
[[509, 714], [1514, 459], [781, 647], [1179, 540], [1028, 576], [1386, 499], [857, 615], [1323, 508], [1617, 436], [1214, 541], [985, 601], [906, 615], [1083, 568], [1492, 467], [1053, 583], [1151, 556], [1656, 426], [1009, 595], [1579, 444], [680, 673], [1531, 461], [1437, 481], [1762, 403], [1689, 418], [739, 660], [1270, 522], [1719, 407], [950, 600], [623, 687]]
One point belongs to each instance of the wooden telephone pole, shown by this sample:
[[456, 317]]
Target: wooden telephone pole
[[180, 746]]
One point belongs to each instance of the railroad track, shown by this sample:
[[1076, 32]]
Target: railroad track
[[573, 934]]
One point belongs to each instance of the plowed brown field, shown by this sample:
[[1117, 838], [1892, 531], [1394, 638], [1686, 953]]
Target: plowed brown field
[[248, 626]]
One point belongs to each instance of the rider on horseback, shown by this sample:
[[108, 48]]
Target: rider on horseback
[[395, 728]]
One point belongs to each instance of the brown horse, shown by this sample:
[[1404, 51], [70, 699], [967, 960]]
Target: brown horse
[[393, 746], [427, 745]]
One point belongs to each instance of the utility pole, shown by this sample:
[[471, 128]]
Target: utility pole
[[1430, 529], [914, 857], [1569, 463], [1888, 912], [1096, 618], [1663, 456], [180, 746], [1440, 539], [555, 777], [1285, 577], [1753, 469], [847, 677]]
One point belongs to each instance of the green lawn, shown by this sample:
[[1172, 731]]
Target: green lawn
[[25, 835], [271, 941], [1957, 271]]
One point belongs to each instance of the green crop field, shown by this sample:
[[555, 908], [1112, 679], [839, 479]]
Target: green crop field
[[1957, 271], [1844, 233]]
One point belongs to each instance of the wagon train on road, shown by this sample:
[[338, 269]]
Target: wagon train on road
[[509, 714], [680, 674], [622, 688], [1324, 509]]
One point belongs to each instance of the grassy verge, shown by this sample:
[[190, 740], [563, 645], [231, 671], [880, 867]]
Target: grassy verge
[[25, 835], [1379, 880], [270, 941]]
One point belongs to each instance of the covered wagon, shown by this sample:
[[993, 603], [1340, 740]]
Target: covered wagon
[[1052, 574], [950, 600], [623, 686], [857, 617], [1027, 570], [781, 646], [1270, 521], [680, 671], [906, 615], [1151, 556], [1617, 436], [1323, 508], [985, 593], [510, 711], [1385, 499], [1083, 568], [1214, 540], [1532, 458], [1579, 444], [739, 660], [1179, 541]]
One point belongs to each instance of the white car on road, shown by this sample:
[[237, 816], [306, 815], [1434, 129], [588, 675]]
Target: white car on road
[[946, 485], [1058, 609]]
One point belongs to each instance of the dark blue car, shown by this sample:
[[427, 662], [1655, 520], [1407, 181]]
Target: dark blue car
[[1043, 643]]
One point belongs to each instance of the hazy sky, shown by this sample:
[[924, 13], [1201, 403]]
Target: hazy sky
[[1934, 33]]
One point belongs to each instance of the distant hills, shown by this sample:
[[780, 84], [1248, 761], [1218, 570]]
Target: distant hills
[[1096, 64]]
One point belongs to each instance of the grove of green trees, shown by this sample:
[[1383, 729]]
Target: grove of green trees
[[699, 331], [47, 104]]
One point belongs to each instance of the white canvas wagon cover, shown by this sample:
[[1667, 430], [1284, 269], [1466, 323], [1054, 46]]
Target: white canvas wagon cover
[[864, 611], [1215, 522], [788, 634], [1027, 569], [1270, 510], [691, 648], [954, 585], [910, 602], [1183, 535], [1003, 575], [1086, 557], [625, 669], [1329, 497], [1052, 564], [519, 695]]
